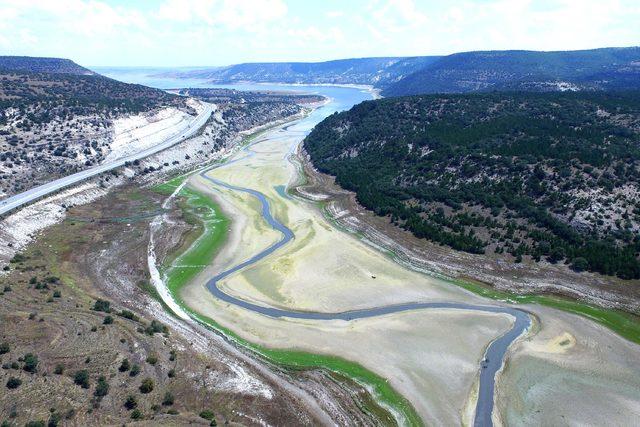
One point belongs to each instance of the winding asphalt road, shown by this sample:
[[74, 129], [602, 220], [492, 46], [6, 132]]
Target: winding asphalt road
[[494, 355], [35, 193]]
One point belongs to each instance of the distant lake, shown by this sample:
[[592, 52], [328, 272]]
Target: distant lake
[[342, 98]]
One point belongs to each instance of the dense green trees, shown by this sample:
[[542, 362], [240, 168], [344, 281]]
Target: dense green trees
[[517, 173]]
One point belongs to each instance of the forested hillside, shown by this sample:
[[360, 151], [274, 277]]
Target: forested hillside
[[597, 69], [535, 176], [378, 72], [36, 64]]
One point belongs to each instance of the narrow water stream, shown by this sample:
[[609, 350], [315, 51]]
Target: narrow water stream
[[495, 353]]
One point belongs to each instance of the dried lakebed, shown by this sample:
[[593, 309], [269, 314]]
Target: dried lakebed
[[494, 356]]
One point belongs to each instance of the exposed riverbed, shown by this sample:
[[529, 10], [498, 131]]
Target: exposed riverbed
[[286, 278]]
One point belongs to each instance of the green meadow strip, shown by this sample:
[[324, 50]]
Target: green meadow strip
[[187, 265]]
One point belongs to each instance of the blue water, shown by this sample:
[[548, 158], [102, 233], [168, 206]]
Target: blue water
[[341, 99]]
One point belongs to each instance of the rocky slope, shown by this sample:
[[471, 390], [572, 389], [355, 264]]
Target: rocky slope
[[55, 119]]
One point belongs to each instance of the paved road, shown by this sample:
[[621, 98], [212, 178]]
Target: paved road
[[35, 193]]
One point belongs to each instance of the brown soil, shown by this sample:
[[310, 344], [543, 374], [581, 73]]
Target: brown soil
[[496, 270]]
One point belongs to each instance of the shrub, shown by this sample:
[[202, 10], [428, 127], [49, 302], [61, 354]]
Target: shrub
[[146, 386], [81, 378], [156, 327], [102, 305], [18, 258], [4, 348], [38, 423], [580, 264], [13, 382], [207, 414], [124, 366], [30, 363], [102, 388], [168, 399], [173, 355], [135, 370], [54, 420], [152, 359], [171, 373], [128, 315], [107, 320], [136, 414], [57, 294], [59, 369], [131, 402]]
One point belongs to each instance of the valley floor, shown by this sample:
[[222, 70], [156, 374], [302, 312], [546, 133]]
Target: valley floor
[[326, 269]]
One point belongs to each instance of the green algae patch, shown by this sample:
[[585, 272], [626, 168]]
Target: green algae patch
[[201, 244]]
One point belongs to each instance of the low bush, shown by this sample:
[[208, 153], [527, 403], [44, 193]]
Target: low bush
[[168, 399], [146, 386], [131, 402], [13, 383], [102, 305], [81, 378], [30, 363], [102, 387]]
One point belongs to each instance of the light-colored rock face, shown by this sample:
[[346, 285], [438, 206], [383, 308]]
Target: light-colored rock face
[[135, 133]]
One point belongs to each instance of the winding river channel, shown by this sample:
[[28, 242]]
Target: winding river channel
[[493, 360]]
